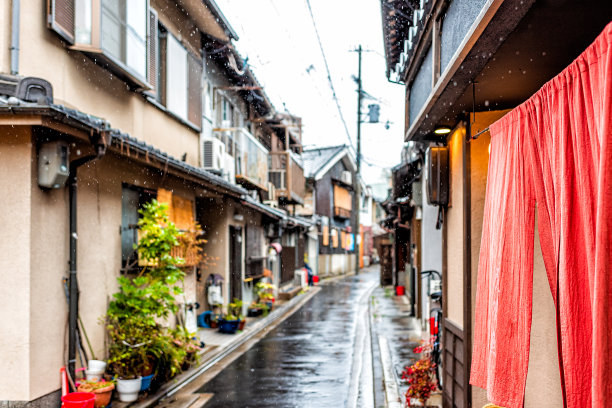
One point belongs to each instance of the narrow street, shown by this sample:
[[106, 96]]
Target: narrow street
[[318, 357]]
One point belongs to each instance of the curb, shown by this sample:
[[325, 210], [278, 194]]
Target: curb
[[210, 360], [392, 394]]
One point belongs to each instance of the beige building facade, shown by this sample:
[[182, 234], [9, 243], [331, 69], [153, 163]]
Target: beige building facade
[[141, 106]]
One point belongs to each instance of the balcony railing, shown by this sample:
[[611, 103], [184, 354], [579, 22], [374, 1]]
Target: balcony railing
[[287, 176], [250, 157]]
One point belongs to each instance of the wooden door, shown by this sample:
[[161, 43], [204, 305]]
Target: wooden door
[[235, 257]]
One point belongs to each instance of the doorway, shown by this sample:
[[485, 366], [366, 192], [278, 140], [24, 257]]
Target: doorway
[[235, 264]]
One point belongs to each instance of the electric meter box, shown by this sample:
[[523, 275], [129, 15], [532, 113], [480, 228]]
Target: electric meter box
[[53, 165], [437, 175]]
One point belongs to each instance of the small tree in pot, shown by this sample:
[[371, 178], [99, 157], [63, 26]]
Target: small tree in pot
[[136, 340]]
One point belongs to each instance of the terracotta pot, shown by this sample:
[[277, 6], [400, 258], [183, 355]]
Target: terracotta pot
[[241, 324], [103, 395]]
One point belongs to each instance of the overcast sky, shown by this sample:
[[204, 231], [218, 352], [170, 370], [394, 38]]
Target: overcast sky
[[279, 39]]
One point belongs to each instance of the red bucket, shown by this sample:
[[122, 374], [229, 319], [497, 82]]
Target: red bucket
[[315, 279], [79, 400], [400, 290]]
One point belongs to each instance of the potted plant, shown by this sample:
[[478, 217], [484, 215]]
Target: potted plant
[[265, 293], [236, 309], [420, 378], [190, 343], [102, 389], [137, 342]]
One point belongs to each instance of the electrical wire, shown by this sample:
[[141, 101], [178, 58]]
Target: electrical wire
[[329, 78]]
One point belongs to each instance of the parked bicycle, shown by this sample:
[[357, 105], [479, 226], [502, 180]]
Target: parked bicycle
[[435, 322]]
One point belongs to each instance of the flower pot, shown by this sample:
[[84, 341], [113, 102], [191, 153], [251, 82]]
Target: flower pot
[[128, 389], [94, 375], [146, 382], [241, 324], [96, 365], [228, 326], [103, 395], [254, 312]]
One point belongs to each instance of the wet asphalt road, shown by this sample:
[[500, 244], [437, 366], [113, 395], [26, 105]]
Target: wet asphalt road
[[309, 359]]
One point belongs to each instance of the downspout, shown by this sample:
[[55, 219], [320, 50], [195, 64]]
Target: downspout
[[15, 11], [73, 287]]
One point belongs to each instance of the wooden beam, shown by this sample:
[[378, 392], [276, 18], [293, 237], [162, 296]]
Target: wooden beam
[[20, 120]]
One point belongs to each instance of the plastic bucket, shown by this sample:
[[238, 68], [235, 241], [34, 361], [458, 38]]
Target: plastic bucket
[[79, 400], [400, 290], [146, 382], [315, 279]]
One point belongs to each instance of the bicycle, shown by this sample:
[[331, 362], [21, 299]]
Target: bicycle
[[435, 320]]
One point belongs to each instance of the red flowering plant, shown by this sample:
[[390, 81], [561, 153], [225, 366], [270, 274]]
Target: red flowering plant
[[420, 376]]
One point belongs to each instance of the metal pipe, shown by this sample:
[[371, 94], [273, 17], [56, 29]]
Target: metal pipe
[[73, 287], [15, 12]]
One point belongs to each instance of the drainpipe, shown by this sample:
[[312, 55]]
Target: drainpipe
[[15, 6], [73, 288]]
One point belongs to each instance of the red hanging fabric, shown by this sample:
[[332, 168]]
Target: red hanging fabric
[[554, 150]]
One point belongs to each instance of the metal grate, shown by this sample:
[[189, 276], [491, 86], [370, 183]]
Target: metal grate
[[152, 49], [61, 18]]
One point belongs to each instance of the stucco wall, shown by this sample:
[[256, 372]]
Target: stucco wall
[[431, 247], [79, 83], [336, 264], [15, 218], [454, 229]]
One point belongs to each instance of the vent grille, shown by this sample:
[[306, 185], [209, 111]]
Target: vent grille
[[208, 154], [152, 49], [61, 18]]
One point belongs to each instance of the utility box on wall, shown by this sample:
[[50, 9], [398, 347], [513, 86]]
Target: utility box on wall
[[53, 165], [437, 175]]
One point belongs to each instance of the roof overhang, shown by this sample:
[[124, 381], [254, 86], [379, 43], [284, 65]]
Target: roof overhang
[[512, 49]]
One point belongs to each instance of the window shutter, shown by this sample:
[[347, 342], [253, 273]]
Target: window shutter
[[194, 90], [152, 51], [60, 18]]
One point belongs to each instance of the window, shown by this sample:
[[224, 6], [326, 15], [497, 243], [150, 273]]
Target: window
[[176, 77], [124, 32], [179, 84], [132, 199], [111, 32]]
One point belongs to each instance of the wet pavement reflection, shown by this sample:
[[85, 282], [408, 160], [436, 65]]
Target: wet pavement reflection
[[304, 362]]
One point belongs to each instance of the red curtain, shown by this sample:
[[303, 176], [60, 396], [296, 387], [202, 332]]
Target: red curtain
[[553, 153]]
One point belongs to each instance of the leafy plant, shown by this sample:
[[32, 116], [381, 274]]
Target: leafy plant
[[265, 291], [420, 376], [137, 342], [235, 309]]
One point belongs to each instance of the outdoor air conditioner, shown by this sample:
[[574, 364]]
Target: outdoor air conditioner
[[213, 153], [271, 191], [437, 176], [347, 177]]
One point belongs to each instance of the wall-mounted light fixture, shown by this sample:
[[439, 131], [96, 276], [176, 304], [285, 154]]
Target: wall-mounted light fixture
[[444, 130]]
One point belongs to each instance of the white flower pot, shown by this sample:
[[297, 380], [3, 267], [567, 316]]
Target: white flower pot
[[93, 375], [128, 389], [96, 365]]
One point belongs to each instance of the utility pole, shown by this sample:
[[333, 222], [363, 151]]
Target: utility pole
[[358, 184]]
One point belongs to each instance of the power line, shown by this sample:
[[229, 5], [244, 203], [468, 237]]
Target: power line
[[329, 78]]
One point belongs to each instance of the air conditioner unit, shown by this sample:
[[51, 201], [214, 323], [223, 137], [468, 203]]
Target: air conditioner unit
[[271, 191], [229, 170], [213, 153], [437, 175], [347, 177]]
